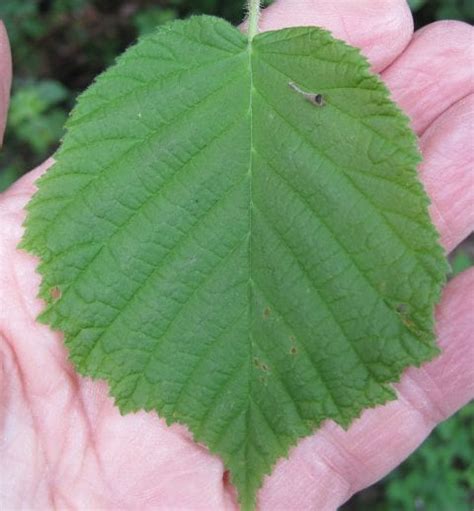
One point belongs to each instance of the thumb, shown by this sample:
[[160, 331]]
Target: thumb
[[5, 78]]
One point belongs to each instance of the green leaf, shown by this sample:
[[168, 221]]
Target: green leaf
[[231, 253]]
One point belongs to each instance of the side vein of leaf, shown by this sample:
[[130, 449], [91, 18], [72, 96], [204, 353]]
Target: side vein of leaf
[[310, 282], [199, 433], [269, 426], [359, 120], [118, 100], [301, 343], [219, 266], [346, 176], [202, 357], [202, 43], [319, 218], [163, 187], [315, 57], [331, 232], [103, 174], [159, 267]]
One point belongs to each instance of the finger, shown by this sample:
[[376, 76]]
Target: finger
[[5, 78], [380, 29], [324, 470], [435, 71], [447, 171]]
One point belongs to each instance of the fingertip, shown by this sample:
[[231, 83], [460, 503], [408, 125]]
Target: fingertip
[[5, 77], [380, 29], [449, 31]]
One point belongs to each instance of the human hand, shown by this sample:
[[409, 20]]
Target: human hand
[[63, 444]]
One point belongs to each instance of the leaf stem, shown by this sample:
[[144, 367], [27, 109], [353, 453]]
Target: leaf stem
[[253, 7]]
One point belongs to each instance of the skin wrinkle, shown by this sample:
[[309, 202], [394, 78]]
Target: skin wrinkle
[[39, 445], [5, 351], [438, 412], [348, 459], [75, 399], [308, 472], [91, 444], [429, 415], [335, 473], [345, 33]]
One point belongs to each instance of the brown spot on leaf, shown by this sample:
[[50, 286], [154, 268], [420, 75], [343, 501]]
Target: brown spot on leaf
[[55, 293], [266, 312], [293, 350]]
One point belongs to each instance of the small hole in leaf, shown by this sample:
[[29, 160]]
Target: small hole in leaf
[[319, 100]]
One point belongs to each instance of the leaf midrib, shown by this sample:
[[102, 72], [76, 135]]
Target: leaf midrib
[[250, 293]]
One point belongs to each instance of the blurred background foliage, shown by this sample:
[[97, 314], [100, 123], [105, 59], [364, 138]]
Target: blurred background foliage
[[59, 46]]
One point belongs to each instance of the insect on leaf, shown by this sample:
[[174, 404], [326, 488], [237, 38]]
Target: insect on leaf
[[234, 235]]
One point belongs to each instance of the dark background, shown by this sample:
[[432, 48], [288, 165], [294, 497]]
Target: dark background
[[59, 46]]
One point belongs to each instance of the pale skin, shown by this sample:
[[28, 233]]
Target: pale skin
[[64, 445]]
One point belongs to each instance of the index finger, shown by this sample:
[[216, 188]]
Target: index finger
[[381, 29]]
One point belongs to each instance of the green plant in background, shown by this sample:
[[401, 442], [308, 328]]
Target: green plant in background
[[146, 21], [440, 475], [443, 9], [35, 113], [36, 119], [460, 261]]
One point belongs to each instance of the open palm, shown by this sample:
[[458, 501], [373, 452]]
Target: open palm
[[64, 445]]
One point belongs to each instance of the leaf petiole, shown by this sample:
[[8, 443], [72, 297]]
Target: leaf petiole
[[253, 7]]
